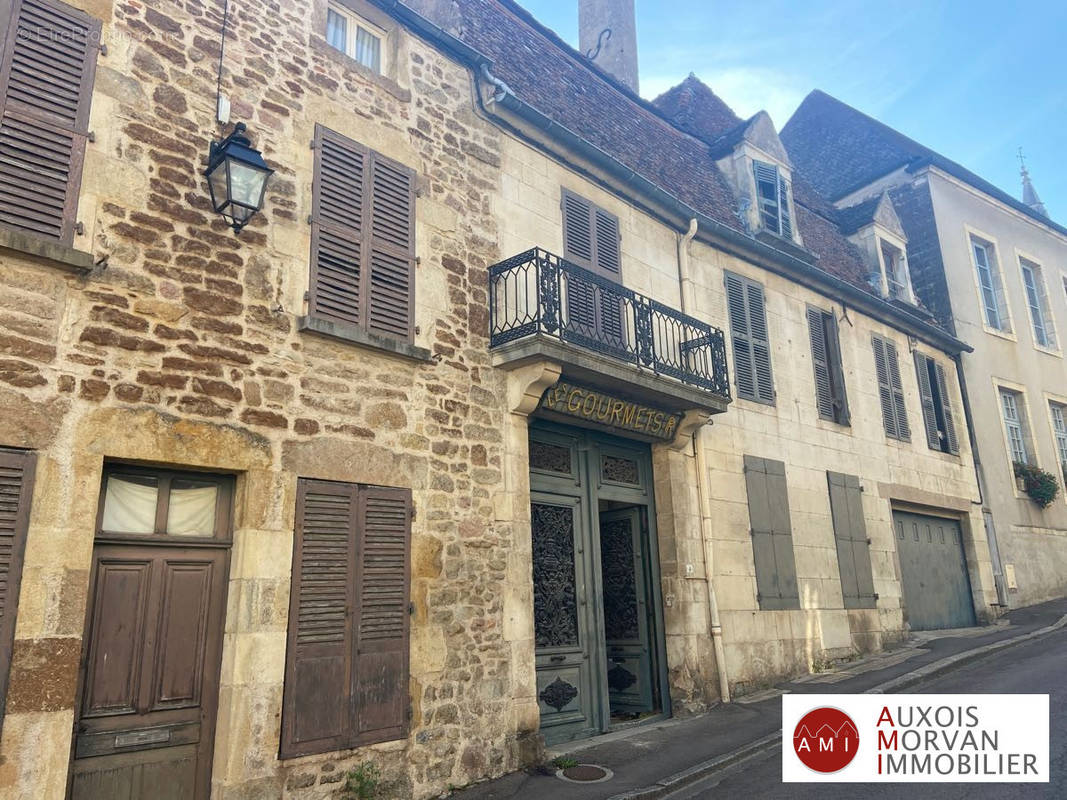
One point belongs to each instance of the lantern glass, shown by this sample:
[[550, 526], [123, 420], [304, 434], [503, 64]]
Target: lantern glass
[[246, 183], [217, 180], [237, 178]]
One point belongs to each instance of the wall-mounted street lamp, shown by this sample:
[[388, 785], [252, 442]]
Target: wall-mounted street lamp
[[237, 178]]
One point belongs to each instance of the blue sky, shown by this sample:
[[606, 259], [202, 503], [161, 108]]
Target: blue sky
[[973, 80]]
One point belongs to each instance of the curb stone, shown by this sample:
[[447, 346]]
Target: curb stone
[[702, 770]]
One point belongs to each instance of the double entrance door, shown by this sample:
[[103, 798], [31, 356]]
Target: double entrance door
[[597, 617]]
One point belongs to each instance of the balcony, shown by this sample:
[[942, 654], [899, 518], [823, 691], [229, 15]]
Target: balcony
[[542, 306]]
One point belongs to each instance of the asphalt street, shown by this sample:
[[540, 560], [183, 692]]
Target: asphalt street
[[1035, 667]]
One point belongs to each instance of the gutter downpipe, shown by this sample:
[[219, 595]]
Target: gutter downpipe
[[699, 453]]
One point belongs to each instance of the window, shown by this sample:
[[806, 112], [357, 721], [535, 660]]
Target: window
[[850, 535], [591, 240], [1037, 302], [1059, 430], [354, 37], [772, 534], [45, 90], [890, 389], [1015, 426], [748, 334], [989, 282], [362, 238], [346, 664], [772, 195], [896, 272], [830, 395], [16, 487], [937, 408], [590, 236], [154, 503]]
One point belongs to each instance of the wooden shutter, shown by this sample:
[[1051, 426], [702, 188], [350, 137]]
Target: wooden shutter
[[577, 230], [946, 410], [380, 681], [16, 487], [853, 547], [606, 242], [926, 395], [783, 205], [337, 272], [748, 332], [346, 681], [46, 78], [820, 359], [890, 389], [772, 534], [837, 370], [362, 238], [391, 267]]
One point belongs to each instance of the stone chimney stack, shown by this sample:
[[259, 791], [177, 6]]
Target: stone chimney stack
[[611, 26]]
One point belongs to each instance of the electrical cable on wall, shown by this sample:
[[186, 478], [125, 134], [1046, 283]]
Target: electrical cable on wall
[[222, 50]]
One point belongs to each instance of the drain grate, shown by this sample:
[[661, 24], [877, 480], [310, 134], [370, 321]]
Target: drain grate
[[585, 773]]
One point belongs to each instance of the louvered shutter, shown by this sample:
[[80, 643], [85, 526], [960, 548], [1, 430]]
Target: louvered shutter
[[391, 267], [380, 681], [748, 333], [337, 227], [771, 531], [946, 410], [607, 242], [899, 409], [926, 395], [820, 359], [46, 79], [850, 534], [319, 658], [783, 204], [16, 486], [577, 230], [837, 370]]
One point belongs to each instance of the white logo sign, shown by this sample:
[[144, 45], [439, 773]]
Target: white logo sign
[[915, 738]]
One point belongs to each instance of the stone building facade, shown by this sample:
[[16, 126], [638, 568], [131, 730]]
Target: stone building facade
[[989, 266], [149, 351]]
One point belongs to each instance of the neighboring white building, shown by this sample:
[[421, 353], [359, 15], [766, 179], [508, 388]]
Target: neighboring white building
[[993, 270]]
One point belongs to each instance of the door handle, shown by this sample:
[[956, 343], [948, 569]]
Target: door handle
[[557, 659]]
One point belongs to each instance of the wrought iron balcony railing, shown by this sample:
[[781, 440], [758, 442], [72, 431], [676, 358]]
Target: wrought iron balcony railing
[[539, 293]]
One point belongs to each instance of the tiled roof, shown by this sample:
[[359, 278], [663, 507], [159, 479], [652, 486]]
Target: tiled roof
[[696, 109], [841, 150], [853, 218], [546, 73]]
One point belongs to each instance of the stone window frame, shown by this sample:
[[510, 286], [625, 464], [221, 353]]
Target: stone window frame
[[1022, 403], [975, 237], [903, 269], [1048, 318], [393, 77], [1058, 445]]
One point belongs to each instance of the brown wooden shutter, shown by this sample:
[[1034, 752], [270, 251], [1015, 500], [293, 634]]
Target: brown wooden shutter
[[346, 679], [46, 79], [16, 487], [820, 360], [577, 229], [850, 533], [391, 295], [319, 659], [337, 226], [748, 332], [926, 395], [380, 680], [890, 389], [772, 533], [606, 242], [946, 410]]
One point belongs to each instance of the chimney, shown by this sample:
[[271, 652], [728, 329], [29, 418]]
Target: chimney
[[607, 35]]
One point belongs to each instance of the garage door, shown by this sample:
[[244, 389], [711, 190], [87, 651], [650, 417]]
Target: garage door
[[937, 589]]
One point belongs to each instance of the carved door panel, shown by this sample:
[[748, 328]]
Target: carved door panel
[[626, 628], [150, 674], [568, 695]]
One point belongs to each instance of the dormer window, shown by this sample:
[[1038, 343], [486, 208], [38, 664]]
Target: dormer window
[[896, 272], [772, 195]]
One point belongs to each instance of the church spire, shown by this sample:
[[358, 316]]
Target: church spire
[[1030, 197]]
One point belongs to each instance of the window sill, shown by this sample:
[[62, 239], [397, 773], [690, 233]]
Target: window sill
[[1049, 351], [353, 335], [47, 250], [1006, 335], [324, 48]]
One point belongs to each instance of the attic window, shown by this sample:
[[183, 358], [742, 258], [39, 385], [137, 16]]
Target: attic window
[[354, 37], [772, 194], [896, 272]]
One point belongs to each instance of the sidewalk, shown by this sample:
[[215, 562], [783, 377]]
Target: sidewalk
[[648, 761]]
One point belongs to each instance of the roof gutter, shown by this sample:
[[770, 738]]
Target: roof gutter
[[740, 244]]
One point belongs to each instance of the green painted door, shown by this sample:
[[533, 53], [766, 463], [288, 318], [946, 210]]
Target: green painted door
[[626, 609], [933, 571]]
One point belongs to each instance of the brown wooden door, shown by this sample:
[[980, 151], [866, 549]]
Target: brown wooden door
[[149, 682]]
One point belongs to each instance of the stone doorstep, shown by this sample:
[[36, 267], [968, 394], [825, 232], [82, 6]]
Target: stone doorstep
[[771, 742]]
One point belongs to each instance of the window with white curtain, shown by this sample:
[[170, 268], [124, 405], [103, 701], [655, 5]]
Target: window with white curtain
[[143, 502], [354, 36]]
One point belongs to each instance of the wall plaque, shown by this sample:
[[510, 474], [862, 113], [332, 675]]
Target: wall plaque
[[593, 405]]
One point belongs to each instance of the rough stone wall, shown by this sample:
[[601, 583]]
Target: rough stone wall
[[181, 348]]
